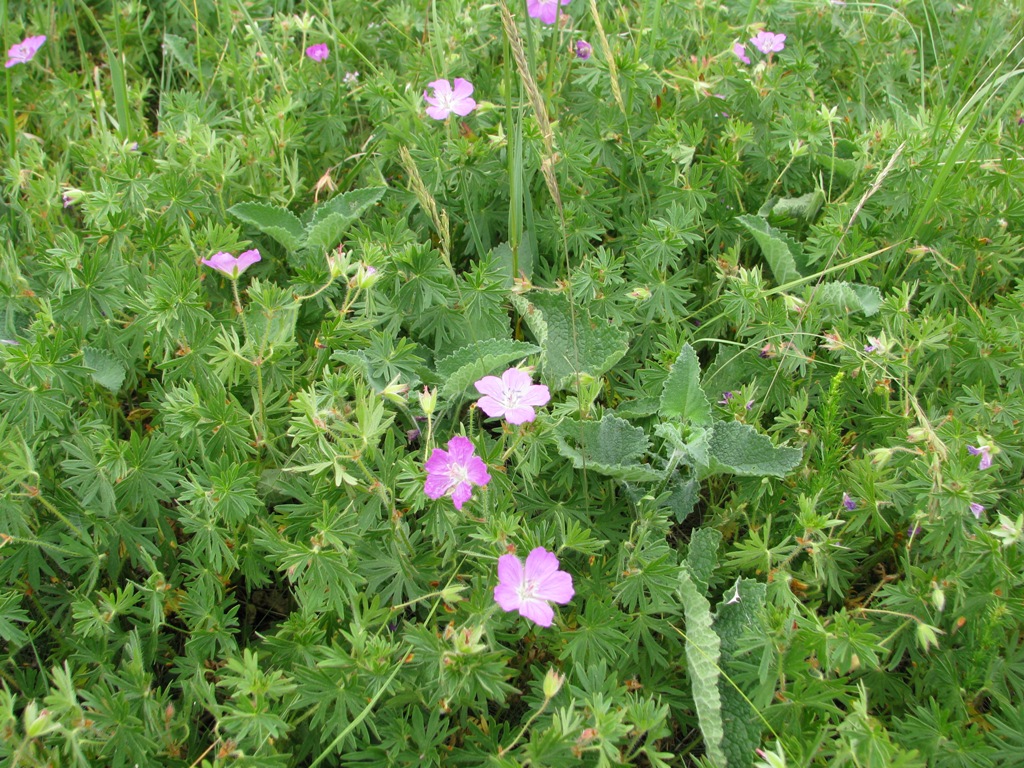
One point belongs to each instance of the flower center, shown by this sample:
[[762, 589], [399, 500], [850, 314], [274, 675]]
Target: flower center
[[527, 590], [458, 474]]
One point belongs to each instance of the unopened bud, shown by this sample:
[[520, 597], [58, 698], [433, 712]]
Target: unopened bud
[[552, 683], [366, 276], [938, 597], [428, 401], [880, 457], [337, 262]]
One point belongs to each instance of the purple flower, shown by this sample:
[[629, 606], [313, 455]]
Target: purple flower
[[455, 472], [977, 509], [25, 51], [318, 52], [512, 396], [741, 51], [583, 50], [528, 589], [232, 266], [545, 10], [849, 503], [726, 397], [914, 530], [986, 455], [447, 99], [768, 42]]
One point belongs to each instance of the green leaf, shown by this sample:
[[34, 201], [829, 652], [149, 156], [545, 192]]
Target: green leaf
[[275, 221], [849, 297], [794, 209], [178, 48], [682, 498], [681, 395], [462, 367], [738, 613], [11, 612], [783, 254], [107, 370], [703, 650], [611, 446], [738, 448], [571, 341], [702, 555], [331, 220]]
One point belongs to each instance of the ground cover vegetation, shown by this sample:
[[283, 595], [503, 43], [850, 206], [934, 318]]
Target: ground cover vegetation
[[512, 383]]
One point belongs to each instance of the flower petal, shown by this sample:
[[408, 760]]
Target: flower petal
[[439, 462], [246, 259], [437, 485], [438, 113], [516, 380], [507, 597], [490, 385], [463, 107], [557, 587], [441, 88], [539, 564], [521, 414], [460, 449], [537, 611], [538, 394], [510, 571], [463, 89], [491, 407], [463, 492], [476, 471]]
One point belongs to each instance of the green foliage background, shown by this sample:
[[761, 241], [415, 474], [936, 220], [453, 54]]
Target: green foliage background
[[215, 547]]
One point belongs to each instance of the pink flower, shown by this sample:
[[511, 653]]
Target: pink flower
[[512, 396], [25, 51], [447, 99], [545, 10], [230, 265], [455, 471], [528, 589], [768, 42], [849, 503], [741, 51], [986, 455], [977, 509], [583, 50], [318, 52]]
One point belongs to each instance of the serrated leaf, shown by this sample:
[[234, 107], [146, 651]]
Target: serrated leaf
[[571, 341], [702, 555], [611, 446], [694, 447], [332, 219], [273, 220], [703, 650], [107, 370], [510, 267], [178, 48], [796, 209], [737, 613], [783, 254], [462, 367], [738, 448], [682, 498], [849, 297], [681, 395]]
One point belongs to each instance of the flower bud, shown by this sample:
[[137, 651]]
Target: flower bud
[[366, 276], [552, 683], [337, 262], [72, 196], [428, 401]]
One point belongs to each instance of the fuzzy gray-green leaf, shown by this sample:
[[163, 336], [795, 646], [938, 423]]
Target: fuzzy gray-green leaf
[[280, 223], [738, 448]]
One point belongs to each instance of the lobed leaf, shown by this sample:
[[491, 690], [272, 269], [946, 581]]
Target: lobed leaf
[[738, 448], [462, 367], [273, 220]]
